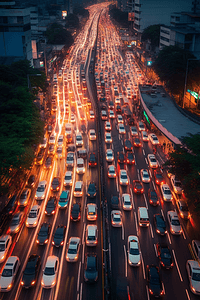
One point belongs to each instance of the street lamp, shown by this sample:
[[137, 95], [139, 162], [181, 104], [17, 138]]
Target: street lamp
[[186, 74]]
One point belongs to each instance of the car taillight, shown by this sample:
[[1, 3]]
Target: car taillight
[[151, 201]]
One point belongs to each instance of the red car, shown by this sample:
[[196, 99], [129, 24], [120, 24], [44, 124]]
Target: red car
[[138, 187], [137, 142], [159, 179]]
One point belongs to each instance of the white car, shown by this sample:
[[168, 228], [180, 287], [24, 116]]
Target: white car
[[91, 212], [80, 166], [59, 152], [193, 270], [108, 126], [174, 223], [145, 137], [60, 140], [166, 193], [79, 140], [111, 171], [134, 131], [145, 176], [68, 128], [121, 129], [109, 155], [123, 177], [134, 253], [8, 274], [126, 201], [5, 243], [33, 216], [153, 163], [41, 189], [68, 178], [92, 135], [120, 119], [91, 114], [73, 120], [176, 184], [116, 218], [108, 138], [153, 138], [50, 272], [141, 126], [73, 249], [111, 114]]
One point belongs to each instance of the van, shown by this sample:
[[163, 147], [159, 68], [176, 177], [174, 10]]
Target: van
[[91, 235], [143, 216], [78, 190], [80, 168]]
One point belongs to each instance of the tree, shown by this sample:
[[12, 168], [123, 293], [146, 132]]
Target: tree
[[72, 21], [58, 35], [152, 33], [171, 68], [185, 164]]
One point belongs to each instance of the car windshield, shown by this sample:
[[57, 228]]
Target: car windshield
[[23, 196], [15, 222], [32, 215], [49, 271], [2, 247], [91, 237], [134, 251], [43, 232], [145, 175], [123, 176], [72, 251], [176, 222], [196, 276], [167, 192], [68, 177], [7, 273], [40, 189]]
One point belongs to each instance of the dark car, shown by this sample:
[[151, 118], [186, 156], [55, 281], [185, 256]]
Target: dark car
[[111, 105], [137, 142], [164, 255], [155, 285], [51, 149], [43, 234], [71, 148], [55, 185], [159, 179], [131, 122], [160, 224], [31, 181], [118, 109], [127, 145], [92, 159], [138, 187], [130, 158], [121, 157], [30, 274], [153, 197], [91, 268], [92, 191], [75, 212], [48, 162], [40, 157], [59, 235], [11, 205], [15, 223], [51, 206], [114, 201]]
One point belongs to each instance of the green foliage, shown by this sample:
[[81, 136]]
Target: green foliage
[[58, 35], [119, 16], [152, 33], [72, 21], [185, 162]]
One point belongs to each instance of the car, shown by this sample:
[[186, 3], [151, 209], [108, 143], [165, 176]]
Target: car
[[52, 138], [92, 159], [141, 126], [64, 199], [50, 272], [153, 138], [68, 178], [92, 135], [126, 202], [138, 187], [111, 171], [123, 177], [176, 184], [164, 255], [59, 152], [51, 206], [79, 139], [108, 126], [59, 236], [5, 243], [196, 249], [159, 179], [91, 114], [15, 223], [114, 202], [51, 150], [75, 212], [160, 224], [127, 145], [174, 223], [134, 131], [183, 209], [116, 218], [131, 121], [31, 271], [70, 159], [166, 193], [111, 114], [72, 118], [48, 162], [82, 153], [136, 142], [134, 252], [60, 140], [130, 158], [145, 137], [109, 155], [43, 234], [155, 285], [31, 181], [41, 190], [121, 129], [33, 216], [44, 143], [91, 235], [24, 197], [91, 268], [111, 105], [120, 119], [91, 212], [193, 271], [92, 190], [108, 138], [145, 176], [121, 157], [104, 116], [153, 163], [118, 109], [8, 273], [55, 184], [153, 197], [73, 248]]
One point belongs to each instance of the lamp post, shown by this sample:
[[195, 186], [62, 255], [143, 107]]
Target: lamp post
[[186, 75]]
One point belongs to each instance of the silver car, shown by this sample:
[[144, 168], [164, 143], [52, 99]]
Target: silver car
[[40, 193]]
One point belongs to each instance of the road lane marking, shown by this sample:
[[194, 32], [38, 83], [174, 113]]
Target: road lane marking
[[187, 294], [136, 225], [163, 214], [177, 265], [169, 238], [151, 231], [153, 185], [146, 161], [147, 292], [155, 250], [79, 273], [132, 198], [145, 199], [126, 269], [109, 249], [143, 152], [81, 291], [143, 269], [83, 253], [122, 232]]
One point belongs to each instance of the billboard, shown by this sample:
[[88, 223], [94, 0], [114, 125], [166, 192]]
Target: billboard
[[131, 16]]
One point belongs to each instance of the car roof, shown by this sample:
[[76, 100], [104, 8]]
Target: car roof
[[11, 261], [51, 260]]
